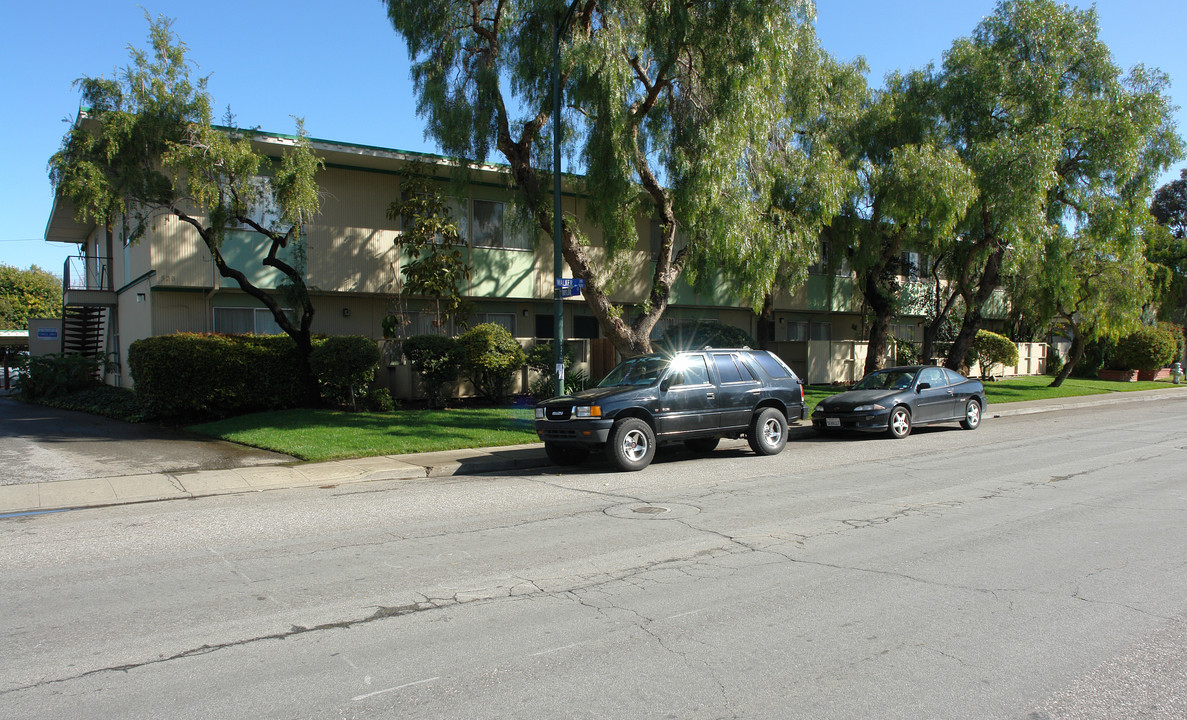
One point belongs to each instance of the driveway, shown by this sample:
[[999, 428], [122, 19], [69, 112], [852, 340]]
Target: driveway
[[40, 444]]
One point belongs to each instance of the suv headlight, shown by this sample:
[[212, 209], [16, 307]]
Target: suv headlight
[[868, 408], [539, 413], [587, 411]]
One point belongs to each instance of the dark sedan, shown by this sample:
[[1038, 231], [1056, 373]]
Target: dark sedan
[[896, 399]]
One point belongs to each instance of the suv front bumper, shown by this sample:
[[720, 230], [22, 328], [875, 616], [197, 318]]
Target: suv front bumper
[[574, 432]]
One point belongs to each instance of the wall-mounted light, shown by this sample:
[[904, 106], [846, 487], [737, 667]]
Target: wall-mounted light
[[140, 297], [525, 313], [345, 312]]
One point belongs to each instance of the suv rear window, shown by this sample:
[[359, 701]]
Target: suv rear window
[[771, 365]]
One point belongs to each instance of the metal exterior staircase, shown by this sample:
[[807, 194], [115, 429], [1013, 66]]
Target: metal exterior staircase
[[83, 329]]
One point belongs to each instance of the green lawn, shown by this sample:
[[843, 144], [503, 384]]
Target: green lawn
[[318, 435]]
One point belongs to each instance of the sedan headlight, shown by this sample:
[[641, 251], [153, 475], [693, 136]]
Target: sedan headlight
[[587, 411], [869, 408]]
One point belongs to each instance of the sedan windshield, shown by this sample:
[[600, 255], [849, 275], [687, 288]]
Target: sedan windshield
[[639, 371], [886, 380]]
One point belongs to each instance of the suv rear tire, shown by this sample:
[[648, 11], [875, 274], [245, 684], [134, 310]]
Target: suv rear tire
[[768, 432]]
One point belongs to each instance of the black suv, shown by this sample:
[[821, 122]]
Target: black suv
[[697, 396]]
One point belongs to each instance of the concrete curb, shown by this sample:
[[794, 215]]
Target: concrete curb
[[36, 498]]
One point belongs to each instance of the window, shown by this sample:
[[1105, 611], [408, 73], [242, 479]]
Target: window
[[954, 377], [797, 330], [821, 266], [729, 371], [261, 204], [911, 265], [489, 227], [933, 377], [771, 365], [692, 370], [504, 320], [820, 331], [241, 321]]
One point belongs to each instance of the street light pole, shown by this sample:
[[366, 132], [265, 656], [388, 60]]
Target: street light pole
[[558, 308]]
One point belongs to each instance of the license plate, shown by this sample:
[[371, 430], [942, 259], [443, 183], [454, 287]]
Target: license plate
[[832, 422]]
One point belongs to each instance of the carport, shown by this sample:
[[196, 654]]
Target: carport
[[12, 344]]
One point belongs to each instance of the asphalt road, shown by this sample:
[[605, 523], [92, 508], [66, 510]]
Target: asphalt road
[[1033, 569], [41, 444]]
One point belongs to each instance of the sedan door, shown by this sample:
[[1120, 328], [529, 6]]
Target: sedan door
[[935, 402]]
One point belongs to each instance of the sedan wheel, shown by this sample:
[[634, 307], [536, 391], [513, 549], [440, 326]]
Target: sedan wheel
[[631, 445], [972, 416], [900, 422]]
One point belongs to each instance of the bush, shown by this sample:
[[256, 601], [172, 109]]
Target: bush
[[1147, 348], [540, 358], [696, 335], [379, 399], [344, 366], [991, 349], [438, 359], [906, 352], [1055, 362], [106, 400], [490, 359], [188, 377], [1176, 332], [50, 376]]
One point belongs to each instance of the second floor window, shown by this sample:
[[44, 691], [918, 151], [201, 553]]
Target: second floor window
[[489, 227]]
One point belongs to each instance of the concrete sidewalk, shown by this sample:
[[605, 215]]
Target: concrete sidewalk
[[34, 498]]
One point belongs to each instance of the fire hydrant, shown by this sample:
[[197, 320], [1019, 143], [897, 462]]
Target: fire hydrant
[[1177, 373]]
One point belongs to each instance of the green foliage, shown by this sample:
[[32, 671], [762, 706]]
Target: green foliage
[[191, 377], [1175, 331], [105, 400], [146, 147], [1055, 362], [379, 399], [696, 335], [991, 349], [1056, 137], [434, 265], [28, 293], [540, 358], [51, 376], [1147, 348], [906, 352], [438, 359], [667, 107], [345, 367], [490, 359]]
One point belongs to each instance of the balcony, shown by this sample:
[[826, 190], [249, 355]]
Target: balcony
[[86, 282]]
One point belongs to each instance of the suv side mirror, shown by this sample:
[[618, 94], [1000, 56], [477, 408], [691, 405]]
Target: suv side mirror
[[666, 383]]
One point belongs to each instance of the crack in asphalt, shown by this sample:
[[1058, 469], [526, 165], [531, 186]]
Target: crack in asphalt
[[595, 591]]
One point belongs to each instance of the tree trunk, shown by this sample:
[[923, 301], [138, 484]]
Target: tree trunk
[[989, 282], [882, 307], [1077, 352], [765, 334]]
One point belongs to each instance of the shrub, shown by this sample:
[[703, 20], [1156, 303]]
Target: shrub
[[696, 335], [50, 376], [906, 352], [490, 359], [106, 400], [540, 358], [379, 399], [1147, 348], [345, 366], [189, 377], [438, 359], [991, 349], [1055, 361], [1176, 332]]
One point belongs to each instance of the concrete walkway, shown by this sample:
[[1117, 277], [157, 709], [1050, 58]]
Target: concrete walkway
[[35, 498]]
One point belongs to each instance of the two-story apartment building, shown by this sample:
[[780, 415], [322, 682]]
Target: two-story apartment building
[[117, 292]]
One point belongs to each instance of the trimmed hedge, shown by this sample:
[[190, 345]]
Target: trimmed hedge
[[190, 377], [991, 349], [438, 359], [345, 367]]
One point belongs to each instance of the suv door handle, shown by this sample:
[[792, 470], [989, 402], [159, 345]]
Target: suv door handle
[[710, 395]]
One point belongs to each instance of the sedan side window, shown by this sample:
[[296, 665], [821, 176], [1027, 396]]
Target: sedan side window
[[933, 377]]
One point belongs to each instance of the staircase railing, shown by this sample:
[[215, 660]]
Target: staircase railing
[[82, 272]]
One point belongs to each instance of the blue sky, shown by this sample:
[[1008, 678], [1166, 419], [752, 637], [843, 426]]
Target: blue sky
[[342, 68]]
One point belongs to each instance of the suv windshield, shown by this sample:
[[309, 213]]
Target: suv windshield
[[886, 380], [638, 371]]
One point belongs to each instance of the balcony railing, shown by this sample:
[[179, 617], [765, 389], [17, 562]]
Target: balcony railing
[[82, 272]]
